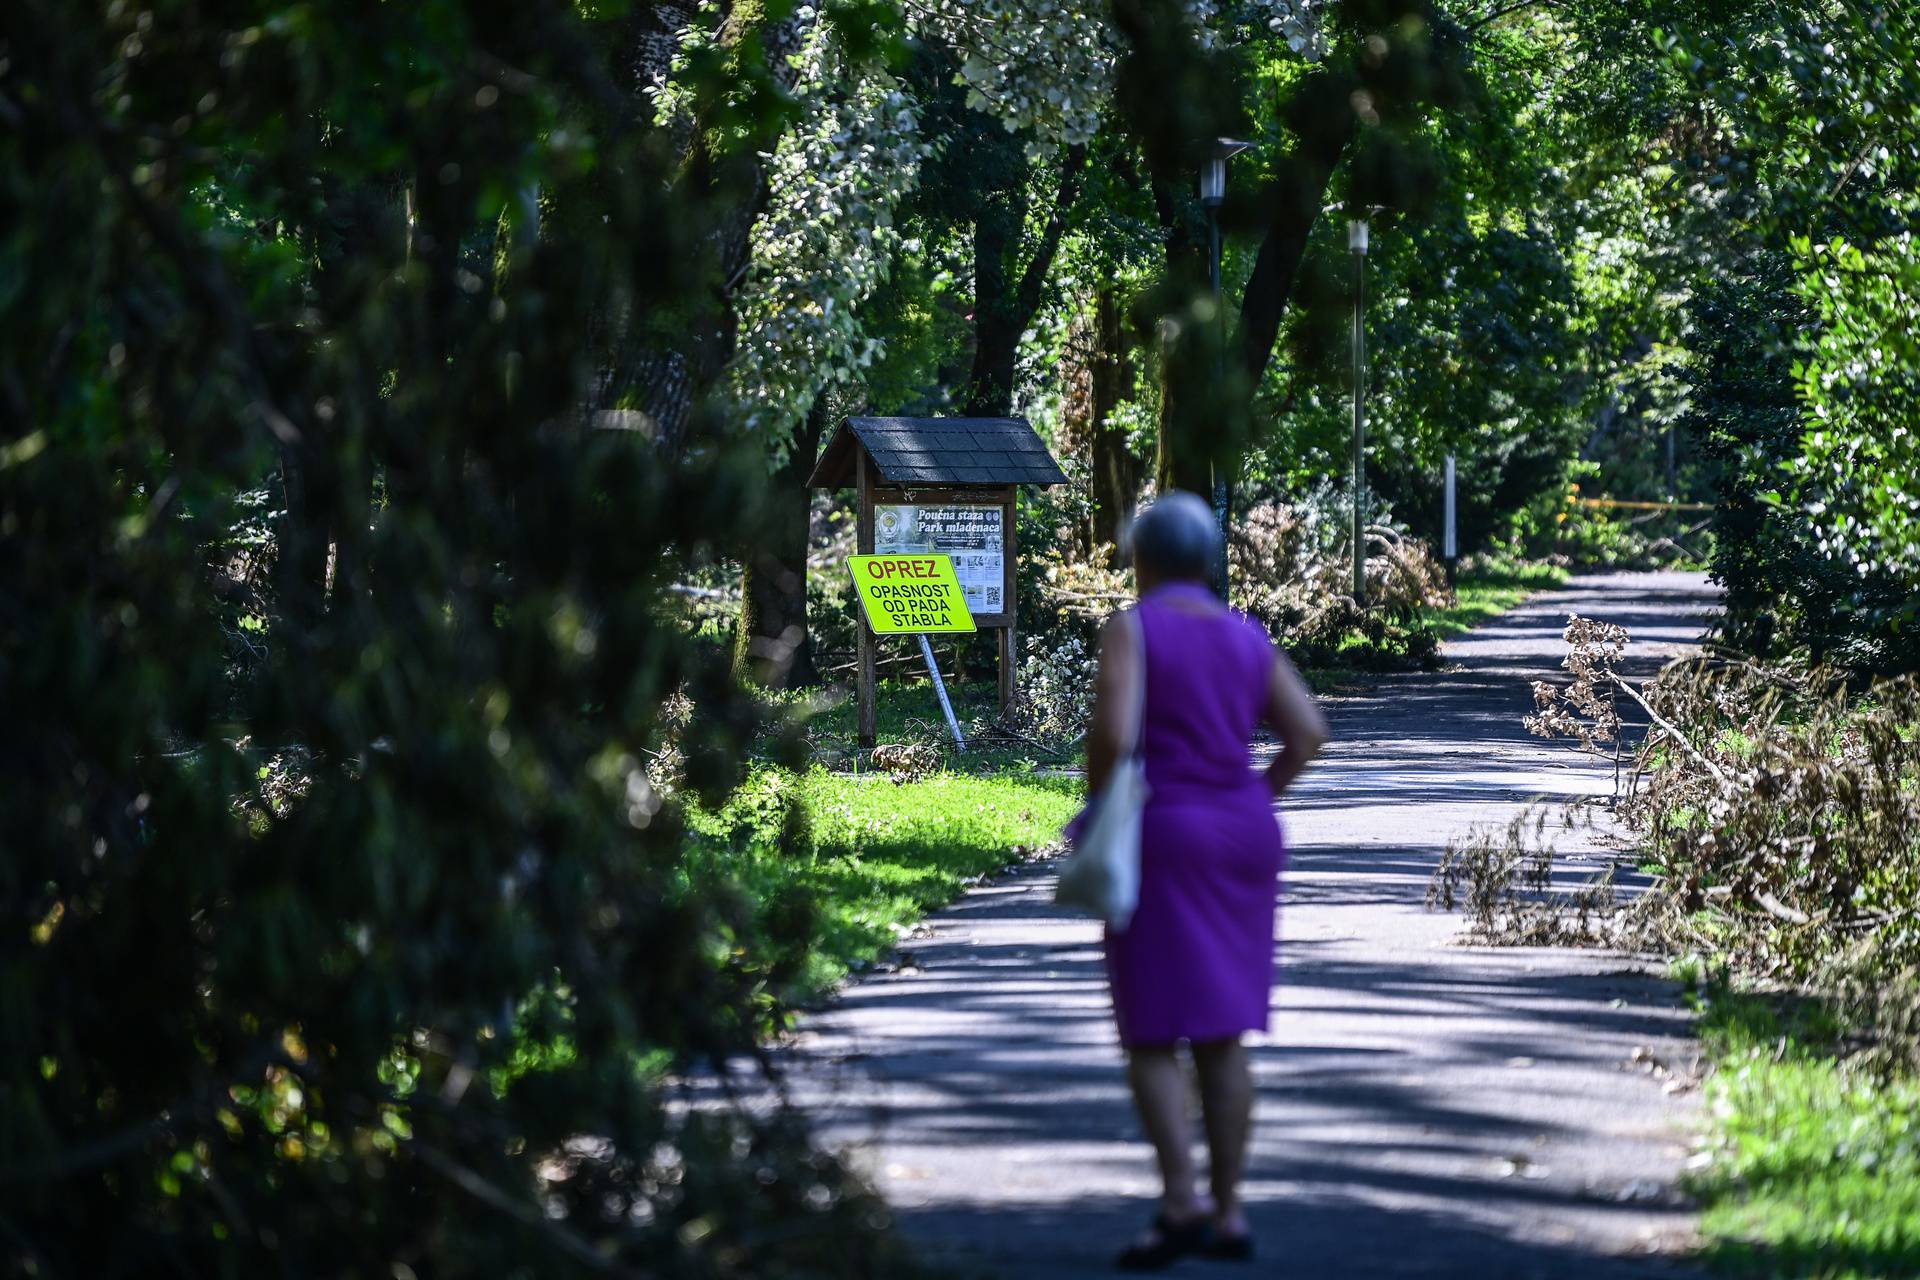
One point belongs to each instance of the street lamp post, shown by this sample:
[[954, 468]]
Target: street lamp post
[[1213, 193], [1357, 245]]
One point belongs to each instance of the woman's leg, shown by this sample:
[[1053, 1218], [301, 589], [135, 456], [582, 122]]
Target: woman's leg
[[1226, 1100], [1160, 1095]]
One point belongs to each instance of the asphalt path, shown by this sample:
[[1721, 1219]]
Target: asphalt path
[[1425, 1107]]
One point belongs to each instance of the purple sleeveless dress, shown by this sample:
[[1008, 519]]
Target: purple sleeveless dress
[[1196, 962]]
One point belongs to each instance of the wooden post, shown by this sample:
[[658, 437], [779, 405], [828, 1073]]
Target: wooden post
[[1009, 653], [928, 475], [1009, 650], [865, 693]]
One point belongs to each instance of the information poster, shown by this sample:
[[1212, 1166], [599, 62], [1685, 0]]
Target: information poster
[[915, 592], [974, 538]]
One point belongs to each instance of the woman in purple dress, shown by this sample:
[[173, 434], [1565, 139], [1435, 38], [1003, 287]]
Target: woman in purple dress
[[1196, 962]]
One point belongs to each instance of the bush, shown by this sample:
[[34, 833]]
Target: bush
[[1072, 595], [1559, 528], [1292, 571], [1788, 588], [383, 959], [1056, 691], [1784, 809]]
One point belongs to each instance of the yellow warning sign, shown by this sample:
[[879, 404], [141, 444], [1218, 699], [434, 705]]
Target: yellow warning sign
[[908, 593]]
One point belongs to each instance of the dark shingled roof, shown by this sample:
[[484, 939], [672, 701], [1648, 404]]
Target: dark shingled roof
[[939, 451]]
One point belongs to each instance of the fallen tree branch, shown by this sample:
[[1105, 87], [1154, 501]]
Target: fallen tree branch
[[1001, 730], [1667, 726], [1085, 595], [1780, 910]]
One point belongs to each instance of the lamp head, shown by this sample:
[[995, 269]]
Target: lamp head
[[1358, 218], [1213, 169]]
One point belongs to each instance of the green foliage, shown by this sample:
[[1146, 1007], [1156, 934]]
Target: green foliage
[[1521, 309], [1861, 384], [882, 854], [1488, 588], [1463, 290], [1803, 383], [336, 635], [1814, 1168], [388, 1013], [1054, 700], [1570, 525], [1047, 68], [826, 239], [1781, 592]]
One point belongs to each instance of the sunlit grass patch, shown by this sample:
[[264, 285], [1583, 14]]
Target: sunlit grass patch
[[867, 856], [1815, 1166], [1487, 592]]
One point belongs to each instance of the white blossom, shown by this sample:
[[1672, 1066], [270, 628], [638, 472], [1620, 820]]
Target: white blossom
[[1047, 66], [826, 240]]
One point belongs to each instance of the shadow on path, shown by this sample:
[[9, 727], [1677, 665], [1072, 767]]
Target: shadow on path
[[1424, 1108]]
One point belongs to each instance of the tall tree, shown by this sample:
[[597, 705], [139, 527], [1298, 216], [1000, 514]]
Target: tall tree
[[822, 245], [669, 365], [1389, 62], [1098, 377], [382, 959], [1007, 293], [773, 645], [1805, 179]]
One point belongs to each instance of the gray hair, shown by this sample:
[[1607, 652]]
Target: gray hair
[[1176, 537]]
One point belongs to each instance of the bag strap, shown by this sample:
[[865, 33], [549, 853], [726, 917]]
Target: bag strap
[[1138, 726]]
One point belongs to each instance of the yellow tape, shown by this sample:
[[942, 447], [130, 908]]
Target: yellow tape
[[1644, 506], [904, 594]]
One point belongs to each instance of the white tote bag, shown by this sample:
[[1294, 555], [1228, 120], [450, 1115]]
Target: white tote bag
[[1102, 875]]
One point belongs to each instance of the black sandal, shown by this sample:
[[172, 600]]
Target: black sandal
[[1176, 1241], [1225, 1248]]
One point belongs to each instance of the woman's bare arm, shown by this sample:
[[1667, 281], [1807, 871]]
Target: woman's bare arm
[[1109, 727], [1292, 714]]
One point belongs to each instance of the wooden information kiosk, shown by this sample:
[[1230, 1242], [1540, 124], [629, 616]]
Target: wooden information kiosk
[[944, 485]]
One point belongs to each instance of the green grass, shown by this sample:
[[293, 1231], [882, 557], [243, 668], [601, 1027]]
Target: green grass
[[909, 711], [1486, 593], [882, 853], [1815, 1168]]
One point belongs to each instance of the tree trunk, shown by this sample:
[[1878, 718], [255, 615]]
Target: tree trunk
[[772, 643], [666, 375], [999, 213], [1116, 472], [1206, 392], [300, 558], [328, 498], [1183, 454], [996, 336], [1182, 460], [1001, 314], [1290, 204]]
